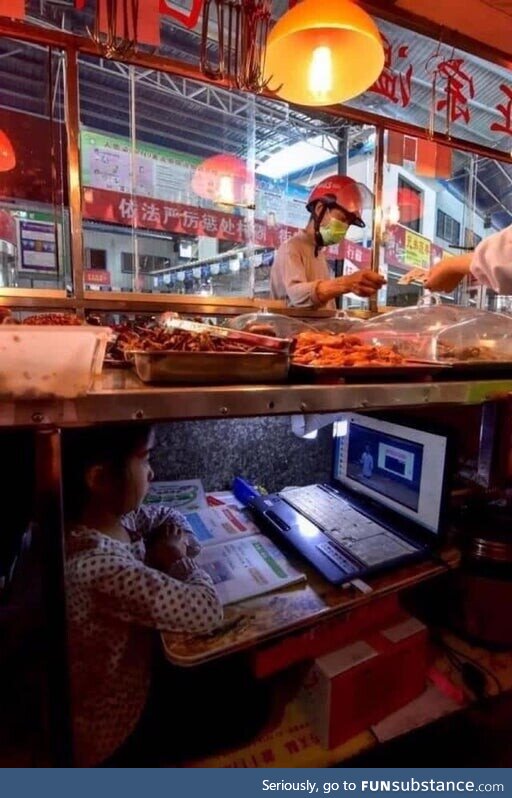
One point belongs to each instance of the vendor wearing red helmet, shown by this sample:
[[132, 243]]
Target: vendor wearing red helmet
[[300, 273]]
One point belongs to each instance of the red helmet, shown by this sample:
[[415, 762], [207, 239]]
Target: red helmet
[[340, 191]]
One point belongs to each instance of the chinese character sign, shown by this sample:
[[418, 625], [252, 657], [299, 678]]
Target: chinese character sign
[[458, 89], [440, 89], [393, 83], [505, 109]]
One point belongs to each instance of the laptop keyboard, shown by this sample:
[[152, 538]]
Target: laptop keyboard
[[318, 505], [370, 542]]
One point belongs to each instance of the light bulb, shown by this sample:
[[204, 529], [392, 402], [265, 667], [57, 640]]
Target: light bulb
[[226, 194], [320, 73]]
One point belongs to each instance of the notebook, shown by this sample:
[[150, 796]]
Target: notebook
[[383, 507]]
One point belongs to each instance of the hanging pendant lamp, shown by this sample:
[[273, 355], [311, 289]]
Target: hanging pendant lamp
[[7, 156], [326, 52]]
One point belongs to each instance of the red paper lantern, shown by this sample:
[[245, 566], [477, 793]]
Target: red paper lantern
[[7, 156], [224, 179]]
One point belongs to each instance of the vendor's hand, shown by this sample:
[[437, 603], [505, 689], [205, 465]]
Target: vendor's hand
[[363, 283], [448, 274]]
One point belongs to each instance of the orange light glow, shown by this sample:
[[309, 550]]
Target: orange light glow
[[320, 53]]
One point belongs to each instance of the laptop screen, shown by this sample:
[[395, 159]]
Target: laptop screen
[[399, 467]]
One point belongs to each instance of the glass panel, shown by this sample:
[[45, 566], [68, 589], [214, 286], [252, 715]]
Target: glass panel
[[313, 148], [168, 183], [435, 87], [437, 202], [34, 218]]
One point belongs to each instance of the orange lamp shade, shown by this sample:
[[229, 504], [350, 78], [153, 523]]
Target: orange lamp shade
[[7, 156], [224, 179], [321, 53]]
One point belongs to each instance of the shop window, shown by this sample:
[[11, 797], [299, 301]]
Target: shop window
[[448, 228], [410, 204], [147, 263], [96, 258], [471, 239]]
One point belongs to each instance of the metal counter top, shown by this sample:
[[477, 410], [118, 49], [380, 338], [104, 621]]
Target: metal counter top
[[118, 395]]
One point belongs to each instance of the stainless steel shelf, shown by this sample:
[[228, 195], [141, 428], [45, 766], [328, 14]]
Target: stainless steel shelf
[[120, 396]]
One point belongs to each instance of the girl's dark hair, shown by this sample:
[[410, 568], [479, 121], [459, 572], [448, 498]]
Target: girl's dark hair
[[82, 449]]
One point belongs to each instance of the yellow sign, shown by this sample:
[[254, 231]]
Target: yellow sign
[[416, 250]]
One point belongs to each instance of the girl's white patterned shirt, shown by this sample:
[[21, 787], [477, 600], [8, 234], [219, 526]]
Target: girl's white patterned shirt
[[114, 602]]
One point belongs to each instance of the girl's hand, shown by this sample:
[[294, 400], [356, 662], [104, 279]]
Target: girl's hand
[[168, 545], [193, 546]]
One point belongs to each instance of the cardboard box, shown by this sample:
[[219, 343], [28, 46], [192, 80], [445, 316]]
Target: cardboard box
[[350, 689]]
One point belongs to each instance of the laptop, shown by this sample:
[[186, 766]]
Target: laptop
[[383, 508]]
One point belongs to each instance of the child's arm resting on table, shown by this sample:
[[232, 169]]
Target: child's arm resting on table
[[133, 592]]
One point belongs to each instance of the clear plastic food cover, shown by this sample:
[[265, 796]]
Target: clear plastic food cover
[[340, 323], [264, 323], [443, 333]]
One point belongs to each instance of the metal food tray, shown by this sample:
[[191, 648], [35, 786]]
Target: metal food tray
[[381, 373], [473, 367], [201, 368]]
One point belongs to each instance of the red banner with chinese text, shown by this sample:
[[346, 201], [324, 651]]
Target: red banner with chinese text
[[170, 217]]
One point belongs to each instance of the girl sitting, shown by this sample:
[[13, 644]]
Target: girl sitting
[[115, 599]]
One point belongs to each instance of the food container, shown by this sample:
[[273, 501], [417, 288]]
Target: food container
[[39, 362], [341, 323], [252, 340], [441, 333], [264, 323], [201, 368]]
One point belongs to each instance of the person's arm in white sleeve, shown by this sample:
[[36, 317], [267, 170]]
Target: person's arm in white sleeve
[[491, 263]]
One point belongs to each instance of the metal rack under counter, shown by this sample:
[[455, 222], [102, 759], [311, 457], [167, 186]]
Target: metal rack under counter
[[118, 395]]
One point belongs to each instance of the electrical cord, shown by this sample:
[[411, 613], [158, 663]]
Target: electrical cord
[[474, 675]]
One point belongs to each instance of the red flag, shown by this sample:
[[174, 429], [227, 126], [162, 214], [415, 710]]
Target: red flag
[[395, 148], [426, 153], [148, 23], [409, 148], [443, 162], [15, 9]]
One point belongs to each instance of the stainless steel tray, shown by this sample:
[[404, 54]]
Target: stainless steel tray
[[202, 368]]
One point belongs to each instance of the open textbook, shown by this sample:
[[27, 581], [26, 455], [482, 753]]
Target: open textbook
[[246, 567], [222, 523]]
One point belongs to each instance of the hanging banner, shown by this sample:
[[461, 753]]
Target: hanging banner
[[108, 163], [154, 214]]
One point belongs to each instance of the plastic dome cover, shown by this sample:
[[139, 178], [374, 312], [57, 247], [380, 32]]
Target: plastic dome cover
[[442, 333], [266, 323], [337, 324]]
